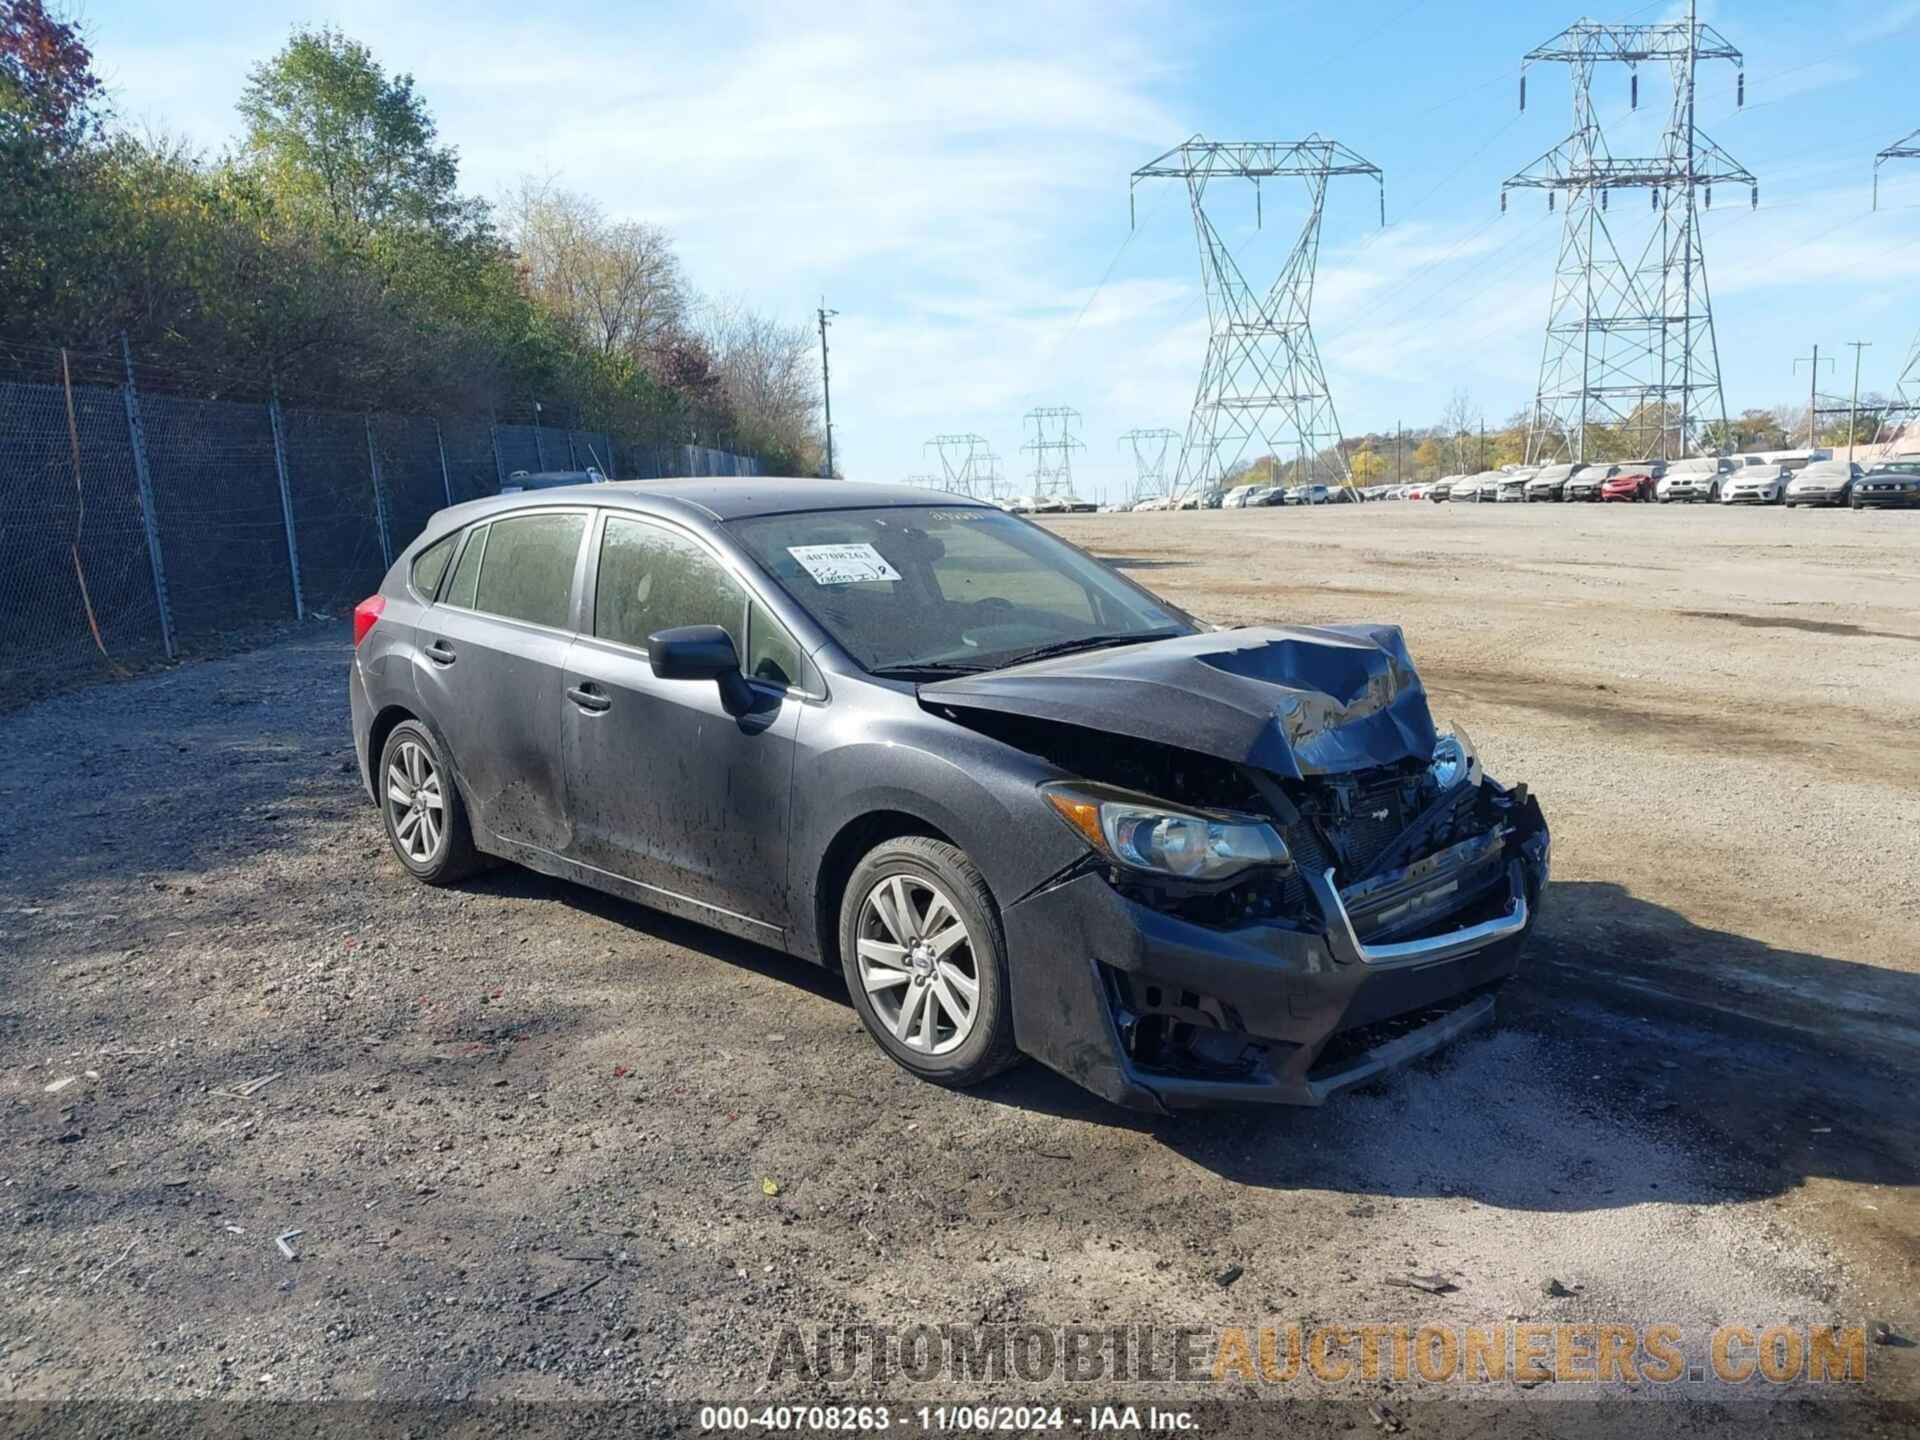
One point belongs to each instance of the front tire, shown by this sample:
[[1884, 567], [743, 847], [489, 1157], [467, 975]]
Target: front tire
[[425, 819], [925, 961]]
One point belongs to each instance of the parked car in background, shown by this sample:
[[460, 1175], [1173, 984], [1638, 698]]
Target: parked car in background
[[1824, 482], [1416, 492], [1691, 480], [1584, 484], [522, 480], [921, 741], [1342, 495], [1632, 482], [1763, 484], [1441, 490], [1894, 484], [1476, 488], [1512, 487], [1550, 482]]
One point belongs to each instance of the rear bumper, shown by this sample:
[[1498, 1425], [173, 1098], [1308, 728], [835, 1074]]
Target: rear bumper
[[362, 712], [1263, 1012]]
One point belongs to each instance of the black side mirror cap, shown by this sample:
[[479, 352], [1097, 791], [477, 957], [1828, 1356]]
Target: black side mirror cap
[[701, 652]]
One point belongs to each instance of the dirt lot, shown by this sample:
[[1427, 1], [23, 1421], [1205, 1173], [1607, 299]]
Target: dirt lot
[[523, 1131]]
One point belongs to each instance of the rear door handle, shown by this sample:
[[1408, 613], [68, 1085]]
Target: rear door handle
[[590, 697], [440, 653]]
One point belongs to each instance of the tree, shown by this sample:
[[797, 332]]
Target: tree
[[1366, 467], [770, 374], [616, 283], [327, 129], [1459, 422], [48, 90]]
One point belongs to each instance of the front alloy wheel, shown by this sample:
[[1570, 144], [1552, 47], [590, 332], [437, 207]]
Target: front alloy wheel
[[917, 964], [924, 955]]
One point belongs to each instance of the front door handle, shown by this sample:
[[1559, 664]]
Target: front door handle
[[440, 653], [590, 697]]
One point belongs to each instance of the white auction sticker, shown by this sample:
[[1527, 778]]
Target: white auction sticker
[[843, 564]]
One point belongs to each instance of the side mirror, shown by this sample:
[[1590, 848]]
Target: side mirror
[[701, 652]]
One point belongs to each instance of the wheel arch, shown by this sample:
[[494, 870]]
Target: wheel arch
[[842, 853], [384, 724]]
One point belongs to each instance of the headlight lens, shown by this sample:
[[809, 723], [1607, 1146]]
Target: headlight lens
[[1454, 760], [1150, 835]]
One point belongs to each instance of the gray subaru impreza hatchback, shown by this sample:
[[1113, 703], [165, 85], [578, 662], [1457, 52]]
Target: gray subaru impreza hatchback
[[1025, 806]]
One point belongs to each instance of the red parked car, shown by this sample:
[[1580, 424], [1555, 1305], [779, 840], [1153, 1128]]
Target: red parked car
[[1631, 482]]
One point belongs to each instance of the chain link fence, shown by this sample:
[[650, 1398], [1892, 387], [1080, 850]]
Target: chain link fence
[[137, 525]]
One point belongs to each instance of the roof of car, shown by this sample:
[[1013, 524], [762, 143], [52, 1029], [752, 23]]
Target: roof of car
[[721, 498]]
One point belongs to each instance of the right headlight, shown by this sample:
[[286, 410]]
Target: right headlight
[[1156, 838], [1454, 760]]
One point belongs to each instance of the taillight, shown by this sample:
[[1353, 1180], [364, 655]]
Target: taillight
[[364, 616]]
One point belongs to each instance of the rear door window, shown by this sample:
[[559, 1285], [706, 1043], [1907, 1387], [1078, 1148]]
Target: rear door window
[[527, 570], [430, 565], [466, 575]]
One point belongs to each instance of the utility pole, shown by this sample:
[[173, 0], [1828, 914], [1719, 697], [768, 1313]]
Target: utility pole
[[1262, 384], [1853, 408], [826, 383], [1630, 343], [1052, 445], [1396, 452], [1150, 449], [1813, 377]]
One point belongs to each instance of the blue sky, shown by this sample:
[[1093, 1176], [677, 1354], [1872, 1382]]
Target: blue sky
[[953, 178]]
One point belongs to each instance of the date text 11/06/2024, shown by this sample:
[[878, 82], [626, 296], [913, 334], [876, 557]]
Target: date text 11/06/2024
[[826, 1419]]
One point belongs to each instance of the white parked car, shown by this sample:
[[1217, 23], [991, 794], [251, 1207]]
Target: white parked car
[[1755, 485], [1689, 480], [1512, 487]]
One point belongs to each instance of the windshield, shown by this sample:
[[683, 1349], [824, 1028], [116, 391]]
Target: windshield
[[911, 588]]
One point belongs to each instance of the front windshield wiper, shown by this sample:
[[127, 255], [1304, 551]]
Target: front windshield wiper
[[1083, 642], [928, 669]]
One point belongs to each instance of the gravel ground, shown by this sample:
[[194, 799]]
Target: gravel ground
[[524, 1131]]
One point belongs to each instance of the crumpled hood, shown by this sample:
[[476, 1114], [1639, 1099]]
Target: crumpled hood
[[1295, 700]]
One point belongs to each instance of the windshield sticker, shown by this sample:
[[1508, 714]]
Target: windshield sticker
[[843, 564]]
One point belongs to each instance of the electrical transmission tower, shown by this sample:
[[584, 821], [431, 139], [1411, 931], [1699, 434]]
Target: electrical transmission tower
[[1150, 450], [924, 482], [1904, 410], [1630, 344], [965, 464], [1052, 445], [1262, 380]]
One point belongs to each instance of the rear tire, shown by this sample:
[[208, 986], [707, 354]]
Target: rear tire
[[425, 819], [918, 931]]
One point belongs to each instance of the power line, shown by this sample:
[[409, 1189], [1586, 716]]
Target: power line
[[1262, 379]]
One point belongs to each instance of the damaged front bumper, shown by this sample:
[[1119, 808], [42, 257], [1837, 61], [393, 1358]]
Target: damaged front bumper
[[1155, 1011]]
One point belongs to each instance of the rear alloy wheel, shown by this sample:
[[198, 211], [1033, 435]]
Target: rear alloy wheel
[[426, 822], [921, 948]]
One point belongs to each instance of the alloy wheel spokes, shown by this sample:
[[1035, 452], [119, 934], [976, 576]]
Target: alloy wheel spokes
[[416, 805], [916, 964]]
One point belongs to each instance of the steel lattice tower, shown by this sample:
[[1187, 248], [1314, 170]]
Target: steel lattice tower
[[1052, 447], [965, 464], [1905, 409], [1262, 380], [1150, 450], [1630, 344]]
